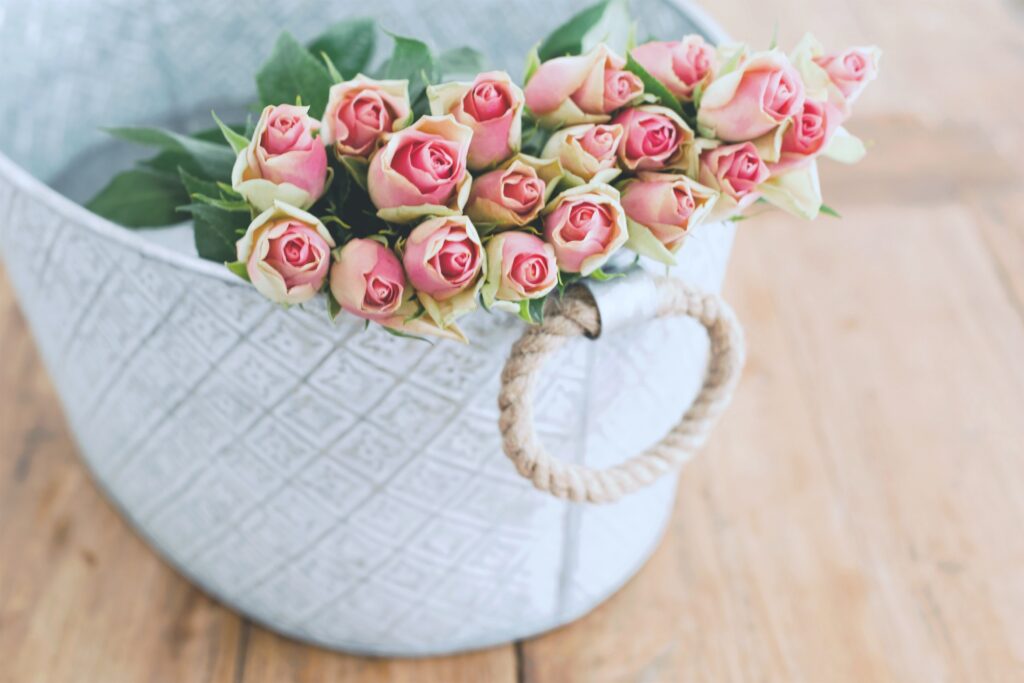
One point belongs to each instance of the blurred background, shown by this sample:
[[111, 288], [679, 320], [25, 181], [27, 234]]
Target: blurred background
[[856, 515]]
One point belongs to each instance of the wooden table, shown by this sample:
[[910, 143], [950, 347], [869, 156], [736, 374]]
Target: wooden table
[[859, 514]]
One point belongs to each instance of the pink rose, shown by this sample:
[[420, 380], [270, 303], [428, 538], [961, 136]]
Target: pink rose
[[752, 100], [588, 151], [359, 112], [851, 70], [368, 281], [511, 196], [421, 170], [492, 106], [581, 89], [284, 160], [585, 225], [286, 253], [735, 170], [679, 65], [620, 88], [443, 257], [654, 137], [807, 135], [665, 206], [520, 266]]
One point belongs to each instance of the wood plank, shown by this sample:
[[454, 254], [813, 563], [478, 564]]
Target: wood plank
[[270, 658], [81, 597], [852, 517]]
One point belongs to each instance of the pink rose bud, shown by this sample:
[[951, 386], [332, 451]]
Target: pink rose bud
[[511, 196], [734, 170], [520, 266], [588, 151], [492, 106], [654, 137], [284, 160], [368, 281], [807, 136], [667, 206], [679, 65], [443, 257], [286, 253], [581, 89], [620, 88], [420, 169], [359, 112], [851, 70], [585, 225], [744, 104]]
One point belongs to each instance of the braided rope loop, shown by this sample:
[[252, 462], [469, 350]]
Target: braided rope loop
[[578, 315]]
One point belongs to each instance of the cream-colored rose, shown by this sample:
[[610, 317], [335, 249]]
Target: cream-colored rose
[[520, 266], [285, 160], [681, 66], [587, 88], [661, 210], [444, 261], [514, 194], [286, 253], [585, 225], [589, 151], [492, 106], [421, 170], [751, 100], [654, 138], [361, 111], [838, 78]]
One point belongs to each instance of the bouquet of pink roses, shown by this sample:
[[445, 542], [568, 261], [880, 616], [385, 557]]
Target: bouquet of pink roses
[[412, 197]]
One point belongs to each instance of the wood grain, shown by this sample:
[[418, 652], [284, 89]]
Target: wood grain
[[857, 515]]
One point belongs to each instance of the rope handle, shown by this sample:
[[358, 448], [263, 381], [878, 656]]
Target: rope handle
[[578, 315]]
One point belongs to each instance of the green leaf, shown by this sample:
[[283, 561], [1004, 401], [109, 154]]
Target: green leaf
[[460, 63], [169, 161], [731, 64], [698, 95], [195, 185], [213, 160], [226, 204], [333, 307], [532, 310], [292, 72], [349, 45], [566, 280], [631, 38], [537, 309], [601, 276], [532, 64], [406, 335], [237, 141], [211, 134], [358, 169], [239, 269], [829, 211], [412, 60], [590, 26], [331, 69], [140, 198], [227, 191], [775, 36], [337, 193], [653, 86], [216, 231]]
